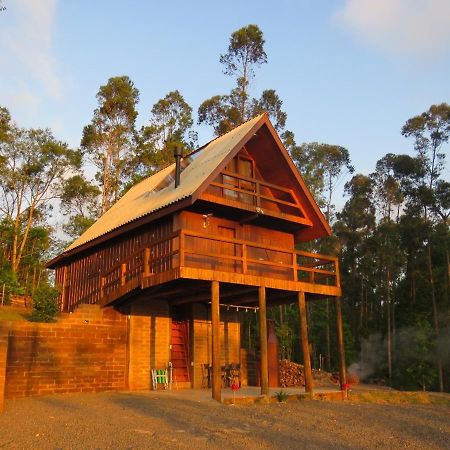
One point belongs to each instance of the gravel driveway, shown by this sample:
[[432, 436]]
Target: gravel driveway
[[157, 420]]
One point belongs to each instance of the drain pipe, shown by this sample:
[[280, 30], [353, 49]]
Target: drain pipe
[[177, 154]]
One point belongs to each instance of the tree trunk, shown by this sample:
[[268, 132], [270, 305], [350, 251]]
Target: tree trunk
[[388, 315], [435, 318]]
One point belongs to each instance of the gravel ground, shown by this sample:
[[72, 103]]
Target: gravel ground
[[146, 420]]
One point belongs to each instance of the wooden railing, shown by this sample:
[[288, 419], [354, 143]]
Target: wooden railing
[[192, 249], [258, 193], [245, 257]]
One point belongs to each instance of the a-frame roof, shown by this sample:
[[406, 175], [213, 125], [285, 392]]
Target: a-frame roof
[[153, 196]]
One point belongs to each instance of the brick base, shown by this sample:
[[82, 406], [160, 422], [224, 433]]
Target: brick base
[[82, 352]]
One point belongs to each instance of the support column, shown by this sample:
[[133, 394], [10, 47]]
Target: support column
[[215, 324], [340, 339], [263, 341], [305, 342]]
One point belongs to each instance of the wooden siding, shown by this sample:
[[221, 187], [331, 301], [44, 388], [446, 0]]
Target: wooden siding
[[199, 247], [100, 272]]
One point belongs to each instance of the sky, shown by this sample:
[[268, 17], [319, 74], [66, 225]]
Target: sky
[[349, 72]]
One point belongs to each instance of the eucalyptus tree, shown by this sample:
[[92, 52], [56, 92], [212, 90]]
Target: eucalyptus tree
[[324, 165], [430, 132], [79, 201], [170, 125], [110, 138], [224, 112], [245, 53], [32, 163]]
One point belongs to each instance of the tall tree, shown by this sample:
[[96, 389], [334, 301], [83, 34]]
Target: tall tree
[[80, 203], [170, 125], [430, 131], [32, 162], [324, 165], [245, 52], [109, 139], [224, 112]]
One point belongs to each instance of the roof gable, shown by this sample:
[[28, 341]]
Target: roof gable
[[158, 191]]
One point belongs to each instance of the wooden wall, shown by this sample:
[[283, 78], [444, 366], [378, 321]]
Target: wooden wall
[[80, 279]]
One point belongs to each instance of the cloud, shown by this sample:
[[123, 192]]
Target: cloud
[[411, 27], [26, 44]]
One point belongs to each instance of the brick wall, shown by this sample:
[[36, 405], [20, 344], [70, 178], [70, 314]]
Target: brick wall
[[202, 339], [3, 353], [149, 340], [83, 352]]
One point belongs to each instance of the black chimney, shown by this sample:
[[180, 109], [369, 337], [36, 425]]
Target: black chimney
[[177, 155]]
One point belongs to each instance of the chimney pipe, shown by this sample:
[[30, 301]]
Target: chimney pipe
[[177, 155]]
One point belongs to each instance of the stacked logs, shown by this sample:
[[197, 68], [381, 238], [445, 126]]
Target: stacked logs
[[291, 374]]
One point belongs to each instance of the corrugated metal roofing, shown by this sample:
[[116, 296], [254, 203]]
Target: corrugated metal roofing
[[143, 199]]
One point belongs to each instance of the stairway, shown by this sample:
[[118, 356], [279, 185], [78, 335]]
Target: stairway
[[180, 354]]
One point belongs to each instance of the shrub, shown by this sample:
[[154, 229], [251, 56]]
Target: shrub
[[281, 396], [45, 304]]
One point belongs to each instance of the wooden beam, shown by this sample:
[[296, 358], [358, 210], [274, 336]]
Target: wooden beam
[[340, 339], [215, 323], [263, 341], [305, 342]]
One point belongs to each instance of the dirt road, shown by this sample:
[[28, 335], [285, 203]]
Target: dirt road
[[146, 420]]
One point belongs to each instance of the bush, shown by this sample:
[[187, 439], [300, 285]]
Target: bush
[[45, 304], [281, 396]]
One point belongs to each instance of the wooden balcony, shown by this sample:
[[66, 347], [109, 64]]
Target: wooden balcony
[[195, 256], [251, 194]]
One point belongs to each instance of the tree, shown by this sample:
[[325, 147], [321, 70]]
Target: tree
[[324, 164], [224, 112], [31, 163], [430, 131], [80, 202], [170, 125], [110, 137], [245, 52]]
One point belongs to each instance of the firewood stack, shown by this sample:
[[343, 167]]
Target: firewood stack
[[291, 374]]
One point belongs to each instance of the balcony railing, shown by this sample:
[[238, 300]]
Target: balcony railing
[[259, 195], [206, 252]]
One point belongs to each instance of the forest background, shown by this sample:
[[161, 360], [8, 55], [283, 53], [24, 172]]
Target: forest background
[[391, 231]]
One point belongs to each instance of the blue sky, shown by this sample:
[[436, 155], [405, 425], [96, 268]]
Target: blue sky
[[349, 72]]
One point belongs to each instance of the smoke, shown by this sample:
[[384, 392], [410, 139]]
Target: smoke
[[413, 348], [372, 358]]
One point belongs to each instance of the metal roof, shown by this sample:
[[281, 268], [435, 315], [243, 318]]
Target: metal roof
[[146, 197]]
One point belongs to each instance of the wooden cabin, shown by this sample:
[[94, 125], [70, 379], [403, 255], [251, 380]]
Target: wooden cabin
[[215, 229]]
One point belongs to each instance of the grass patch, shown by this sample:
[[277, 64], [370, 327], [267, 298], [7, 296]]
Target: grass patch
[[396, 398], [11, 315]]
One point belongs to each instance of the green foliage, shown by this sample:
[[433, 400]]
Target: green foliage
[[414, 369], [281, 396], [224, 112], [170, 125], [45, 304], [110, 138]]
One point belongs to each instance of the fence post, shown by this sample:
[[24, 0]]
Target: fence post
[[3, 294]]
